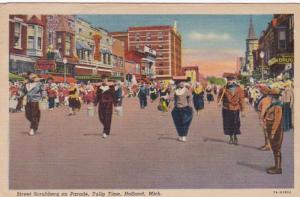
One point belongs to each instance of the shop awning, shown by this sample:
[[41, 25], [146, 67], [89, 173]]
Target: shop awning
[[14, 77], [82, 45], [59, 79]]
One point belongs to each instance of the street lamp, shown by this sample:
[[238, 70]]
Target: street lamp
[[65, 60], [262, 55]]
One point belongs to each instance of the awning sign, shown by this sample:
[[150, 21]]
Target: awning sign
[[46, 64], [281, 60]]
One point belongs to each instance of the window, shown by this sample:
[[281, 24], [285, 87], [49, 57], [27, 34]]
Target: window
[[282, 39], [137, 37], [59, 39], [50, 17], [109, 59], [17, 35], [68, 44], [160, 54], [30, 42], [148, 35], [50, 38], [79, 30], [39, 46], [160, 46], [137, 47], [39, 38], [91, 33], [137, 68], [160, 35]]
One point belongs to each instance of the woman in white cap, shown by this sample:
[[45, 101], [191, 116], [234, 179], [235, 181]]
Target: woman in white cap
[[182, 112]]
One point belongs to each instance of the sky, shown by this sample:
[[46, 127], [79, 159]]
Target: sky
[[212, 42]]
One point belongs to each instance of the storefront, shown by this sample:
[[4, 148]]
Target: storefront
[[19, 64], [281, 65]]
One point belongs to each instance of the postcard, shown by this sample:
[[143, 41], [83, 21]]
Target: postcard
[[125, 99]]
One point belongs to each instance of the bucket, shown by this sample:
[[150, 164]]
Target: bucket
[[90, 111], [119, 110], [43, 104]]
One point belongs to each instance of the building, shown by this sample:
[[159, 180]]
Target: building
[[60, 44], [240, 62], [26, 39], [161, 46], [191, 73], [277, 43], [94, 57], [251, 45], [118, 51]]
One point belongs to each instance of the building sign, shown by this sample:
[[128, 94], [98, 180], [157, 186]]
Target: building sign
[[46, 64], [283, 59]]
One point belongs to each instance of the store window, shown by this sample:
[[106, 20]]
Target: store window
[[17, 35], [282, 39]]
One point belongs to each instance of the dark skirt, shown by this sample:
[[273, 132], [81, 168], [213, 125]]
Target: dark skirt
[[74, 103], [210, 97], [153, 96], [182, 118], [231, 122], [105, 111], [198, 102], [33, 114]]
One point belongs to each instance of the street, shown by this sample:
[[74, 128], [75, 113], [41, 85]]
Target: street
[[142, 152]]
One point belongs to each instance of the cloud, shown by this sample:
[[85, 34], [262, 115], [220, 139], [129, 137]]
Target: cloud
[[209, 36]]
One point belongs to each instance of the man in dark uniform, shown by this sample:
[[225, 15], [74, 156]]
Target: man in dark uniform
[[106, 97], [232, 97], [273, 125]]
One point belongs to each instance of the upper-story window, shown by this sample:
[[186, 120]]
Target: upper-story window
[[50, 17], [137, 37], [50, 38], [91, 33], [282, 39], [160, 35], [160, 46], [68, 44], [79, 30], [17, 35], [39, 37], [148, 36], [30, 42]]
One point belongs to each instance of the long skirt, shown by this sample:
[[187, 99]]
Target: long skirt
[[74, 103], [105, 111], [210, 97], [231, 122], [182, 118], [51, 102], [198, 102], [287, 117], [33, 114], [153, 96]]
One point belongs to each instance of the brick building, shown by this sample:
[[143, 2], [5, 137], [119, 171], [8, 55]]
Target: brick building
[[25, 42], [93, 50], [164, 41], [118, 52], [277, 43]]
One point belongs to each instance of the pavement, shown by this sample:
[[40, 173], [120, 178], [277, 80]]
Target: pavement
[[142, 152]]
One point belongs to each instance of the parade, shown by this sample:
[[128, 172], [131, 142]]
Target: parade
[[116, 103]]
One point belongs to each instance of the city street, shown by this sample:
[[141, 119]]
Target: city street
[[142, 152]]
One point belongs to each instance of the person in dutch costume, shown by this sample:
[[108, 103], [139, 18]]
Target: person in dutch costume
[[74, 101], [198, 97]]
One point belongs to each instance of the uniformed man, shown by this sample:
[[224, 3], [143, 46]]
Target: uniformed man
[[264, 102], [273, 126], [232, 97]]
